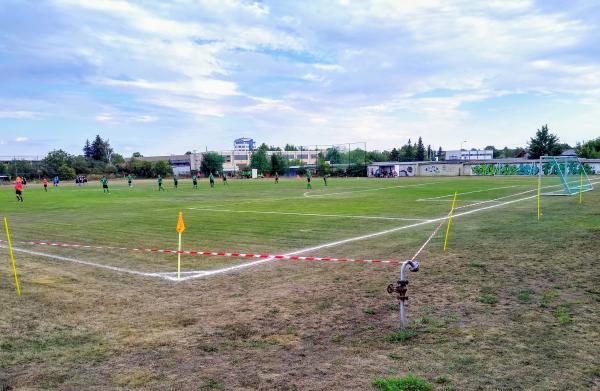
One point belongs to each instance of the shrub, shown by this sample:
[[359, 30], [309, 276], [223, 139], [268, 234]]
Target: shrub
[[488, 299], [401, 336], [406, 383], [65, 172]]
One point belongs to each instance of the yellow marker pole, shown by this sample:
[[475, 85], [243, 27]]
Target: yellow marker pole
[[12, 258], [449, 222], [180, 228], [580, 187]]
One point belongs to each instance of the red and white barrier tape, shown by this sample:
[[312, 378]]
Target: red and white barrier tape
[[212, 253]]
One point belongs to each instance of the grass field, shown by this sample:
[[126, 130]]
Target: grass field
[[514, 303]]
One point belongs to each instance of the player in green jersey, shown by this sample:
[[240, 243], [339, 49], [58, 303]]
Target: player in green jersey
[[160, 186], [104, 182]]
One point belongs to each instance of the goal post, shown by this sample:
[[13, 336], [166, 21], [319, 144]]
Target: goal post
[[563, 175]]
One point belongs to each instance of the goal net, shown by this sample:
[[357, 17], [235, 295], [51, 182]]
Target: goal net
[[563, 175]]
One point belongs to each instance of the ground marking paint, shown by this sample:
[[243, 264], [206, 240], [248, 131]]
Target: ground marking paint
[[336, 243], [206, 252], [206, 273], [309, 195], [468, 192], [308, 214], [87, 263]]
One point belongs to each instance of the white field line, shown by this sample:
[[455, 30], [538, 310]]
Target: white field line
[[170, 276], [307, 214], [467, 192], [356, 238], [309, 195], [87, 263]]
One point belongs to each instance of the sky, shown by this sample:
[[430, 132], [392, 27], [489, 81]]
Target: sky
[[161, 77]]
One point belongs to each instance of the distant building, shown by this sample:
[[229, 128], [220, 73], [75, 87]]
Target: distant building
[[569, 152], [243, 144], [181, 164], [479, 154]]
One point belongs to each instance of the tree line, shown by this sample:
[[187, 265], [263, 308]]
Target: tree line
[[98, 158]]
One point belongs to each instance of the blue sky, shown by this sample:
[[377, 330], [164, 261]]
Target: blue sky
[[168, 77]]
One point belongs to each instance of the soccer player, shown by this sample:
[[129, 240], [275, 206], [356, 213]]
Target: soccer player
[[175, 180], [211, 178], [325, 180], [276, 177], [45, 183], [224, 179], [104, 182], [195, 181], [55, 181], [308, 176], [19, 190], [130, 180], [160, 186]]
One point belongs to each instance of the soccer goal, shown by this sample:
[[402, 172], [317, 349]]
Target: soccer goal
[[563, 175]]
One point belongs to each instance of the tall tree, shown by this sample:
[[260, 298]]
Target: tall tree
[[54, 160], [279, 163], [395, 155], [429, 152], [590, 149], [420, 150], [290, 147], [212, 162], [440, 153], [407, 152], [259, 159], [101, 150], [87, 149], [333, 156], [544, 143]]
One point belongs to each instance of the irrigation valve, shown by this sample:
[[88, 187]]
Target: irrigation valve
[[401, 287]]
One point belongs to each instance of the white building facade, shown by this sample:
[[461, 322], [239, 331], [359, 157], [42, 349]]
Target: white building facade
[[479, 154]]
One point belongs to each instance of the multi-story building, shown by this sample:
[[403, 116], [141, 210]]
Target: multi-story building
[[243, 144], [479, 154]]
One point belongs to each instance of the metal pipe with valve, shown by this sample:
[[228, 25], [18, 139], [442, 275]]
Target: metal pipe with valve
[[401, 287]]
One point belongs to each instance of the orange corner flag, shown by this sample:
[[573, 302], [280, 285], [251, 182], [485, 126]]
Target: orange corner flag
[[180, 224]]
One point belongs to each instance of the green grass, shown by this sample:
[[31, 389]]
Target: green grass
[[406, 383], [488, 313], [232, 218]]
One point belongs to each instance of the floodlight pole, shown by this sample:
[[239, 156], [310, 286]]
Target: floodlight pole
[[401, 287]]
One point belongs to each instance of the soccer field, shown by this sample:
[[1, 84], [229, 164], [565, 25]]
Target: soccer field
[[513, 304]]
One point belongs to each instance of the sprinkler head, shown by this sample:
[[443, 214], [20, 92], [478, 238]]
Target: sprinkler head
[[414, 266]]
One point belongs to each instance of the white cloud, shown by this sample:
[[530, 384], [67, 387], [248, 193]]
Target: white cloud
[[18, 114], [21, 139]]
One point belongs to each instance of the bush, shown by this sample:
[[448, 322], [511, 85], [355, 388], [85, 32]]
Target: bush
[[401, 336], [110, 169], [66, 173], [406, 383], [488, 299]]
